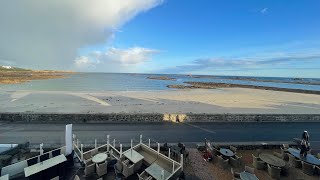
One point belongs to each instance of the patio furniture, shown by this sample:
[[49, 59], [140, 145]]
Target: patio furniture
[[257, 163], [37, 168], [226, 152], [277, 154], [222, 162], [128, 168], [234, 149], [308, 168], [285, 170], [102, 169], [86, 157], [318, 155], [94, 152], [272, 160], [76, 177], [248, 176], [284, 153], [309, 158], [274, 172], [4, 177], [285, 146], [249, 169], [134, 157], [157, 172], [235, 175], [99, 158], [294, 161], [89, 169], [143, 176], [235, 162]]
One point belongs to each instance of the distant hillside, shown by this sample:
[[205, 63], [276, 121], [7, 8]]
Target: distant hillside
[[13, 69]]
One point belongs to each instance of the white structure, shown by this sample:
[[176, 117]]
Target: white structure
[[7, 67]]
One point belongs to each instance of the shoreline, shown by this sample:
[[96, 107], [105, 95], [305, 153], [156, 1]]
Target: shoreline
[[212, 85], [22, 76]]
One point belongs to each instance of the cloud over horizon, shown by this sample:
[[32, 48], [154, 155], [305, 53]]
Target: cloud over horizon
[[114, 58], [260, 62], [47, 34]]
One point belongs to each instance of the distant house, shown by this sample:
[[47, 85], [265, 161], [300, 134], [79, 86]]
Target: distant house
[[7, 67]]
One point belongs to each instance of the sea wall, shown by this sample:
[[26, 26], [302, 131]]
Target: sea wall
[[154, 118]]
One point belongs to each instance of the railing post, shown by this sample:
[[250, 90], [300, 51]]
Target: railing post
[[82, 152], [158, 147], [95, 143], [108, 143], [169, 153], [181, 162], [77, 143], [114, 143], [140, 138], [41, 149], [120, 150], [172, 166], [149, 142]]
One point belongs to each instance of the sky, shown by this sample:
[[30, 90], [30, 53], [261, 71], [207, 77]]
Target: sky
[[216, 37]]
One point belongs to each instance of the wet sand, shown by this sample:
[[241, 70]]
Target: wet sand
[[221, 100]]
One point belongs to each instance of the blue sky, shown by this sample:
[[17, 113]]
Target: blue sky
[[228, 31], [218, 37]]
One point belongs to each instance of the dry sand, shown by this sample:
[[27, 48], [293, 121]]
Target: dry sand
[[224, 100]]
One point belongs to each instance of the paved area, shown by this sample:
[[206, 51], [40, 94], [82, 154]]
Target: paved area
[[161, 132]]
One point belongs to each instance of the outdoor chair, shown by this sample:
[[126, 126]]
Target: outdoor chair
[[223, 163], [274, 172], [89, 169], [235, 162], [235, 175], [128, 170], [86, 157], [294, 161], [285, 146], [284, 154], [102, 169], [94, 152], [144, 175], [308, 168], [258, 163], [76, 177], [234, 149], [285, 170], [249, 169]]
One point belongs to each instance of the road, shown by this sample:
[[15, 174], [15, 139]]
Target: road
[[160, 132]]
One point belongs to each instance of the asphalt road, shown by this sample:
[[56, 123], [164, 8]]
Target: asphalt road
[[161, 132]]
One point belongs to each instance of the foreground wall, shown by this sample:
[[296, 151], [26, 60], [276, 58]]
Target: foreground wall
[[141, 118]]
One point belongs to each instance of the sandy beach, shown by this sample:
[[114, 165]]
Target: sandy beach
[[221, 100]]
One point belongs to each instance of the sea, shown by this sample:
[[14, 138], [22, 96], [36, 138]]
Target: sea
[[139, 82]]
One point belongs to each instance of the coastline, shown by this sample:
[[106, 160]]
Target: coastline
[[212, 85], [21, 76]]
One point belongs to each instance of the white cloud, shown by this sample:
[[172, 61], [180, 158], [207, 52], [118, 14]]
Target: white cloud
[[48, 34], [264, 11], [122, 59]]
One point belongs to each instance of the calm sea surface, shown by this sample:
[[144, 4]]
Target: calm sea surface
[[135, 82]]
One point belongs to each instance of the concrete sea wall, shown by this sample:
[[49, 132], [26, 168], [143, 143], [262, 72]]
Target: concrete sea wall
[[154, 118]]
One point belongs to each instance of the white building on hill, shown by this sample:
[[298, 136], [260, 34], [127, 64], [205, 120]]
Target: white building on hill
[[7, 67]]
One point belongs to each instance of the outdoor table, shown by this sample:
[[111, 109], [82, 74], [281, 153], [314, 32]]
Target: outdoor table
[[248, 176], [272, 160], [133, 156], [226, 152], [4, 177], [309, 158], [99, 158], [155, 171], [36, 168]]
